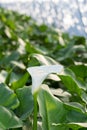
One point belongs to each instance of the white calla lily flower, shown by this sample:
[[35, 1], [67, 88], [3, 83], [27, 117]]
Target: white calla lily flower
[[39, 74]]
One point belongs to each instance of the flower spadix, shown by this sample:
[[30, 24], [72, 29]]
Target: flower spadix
[[39, 74]]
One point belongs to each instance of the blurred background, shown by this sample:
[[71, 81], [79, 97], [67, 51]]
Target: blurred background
[[66, 15]]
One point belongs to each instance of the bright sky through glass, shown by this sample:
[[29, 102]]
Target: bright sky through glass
[[62, 14]]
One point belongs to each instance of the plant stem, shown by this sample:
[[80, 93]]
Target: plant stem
[[35, 112]]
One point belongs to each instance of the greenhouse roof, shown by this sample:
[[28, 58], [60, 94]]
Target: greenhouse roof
[[71, 18]]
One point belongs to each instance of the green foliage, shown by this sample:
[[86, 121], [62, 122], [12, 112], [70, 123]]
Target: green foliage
[[7, 97], [57, 115], [53, 59], [26, 102], [8, 119]]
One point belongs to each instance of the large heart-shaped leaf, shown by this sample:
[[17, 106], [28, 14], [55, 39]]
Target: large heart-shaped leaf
[[26, 102], [8, 119], [51, 109], [57, 115], [74, 86], [39, 74], [7, 97]]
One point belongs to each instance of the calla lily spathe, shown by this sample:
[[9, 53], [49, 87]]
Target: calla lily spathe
[[39, 74]]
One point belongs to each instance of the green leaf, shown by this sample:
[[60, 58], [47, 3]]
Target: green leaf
[[11, 57], [39, 74], [26, 102], [79, 40], [11, 77], [3, 75], [79, 70], [7, 32], [51, 109], [70, 81], [66, 52], [21, 48], [31, 49], [44, 60], [73, 125], [8, 119], [71, 85], [21, 82], [57, 115], [7, 97]]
